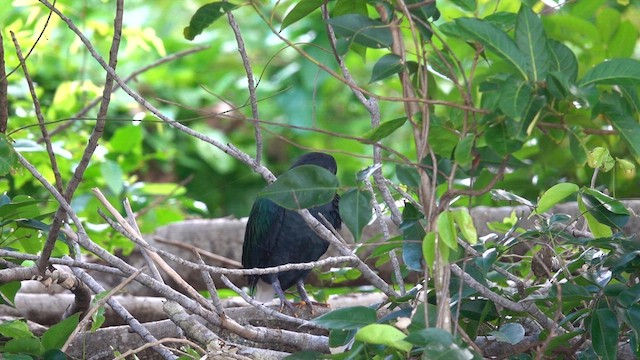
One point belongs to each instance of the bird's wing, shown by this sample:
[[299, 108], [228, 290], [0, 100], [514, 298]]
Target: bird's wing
[[261, 234]]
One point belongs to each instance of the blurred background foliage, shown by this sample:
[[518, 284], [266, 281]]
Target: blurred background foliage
[[169, 176]]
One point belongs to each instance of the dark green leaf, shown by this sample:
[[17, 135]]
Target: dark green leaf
[[307, 354], [619, 112], [408, 175], [205, 16], [462, 153], [562, 59], [8, 158], [496, 41], [605, 209], [501, 140], [604, 333], [388, 65], [424, 337], [481, 310], [302, 187], [362, 30], [54, 354], [613, 72], [356, 210], [511, 333], [57, 335], [413, 235], [630, 296], [347, 318], [21, 207], [8, 292], [532, 41], [384, 129], [302, 9], [515, 98]]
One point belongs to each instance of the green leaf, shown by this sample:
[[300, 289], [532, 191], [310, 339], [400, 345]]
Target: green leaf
[[57, 335], [597, 229], [15, 329], [388, 65], [347, 318], [630, 296], [385, 129], [383, 334], [447, 229], [511, 333], [356, 210], [468, 5], [412, 235], [604, 333], [501, 141], [205, 16], [299, 11], [8, 292], [24, 346], [464, 221], [362, 30], [613, 72], [126, 139], [429, 249], [462, 153], [496, 41], [532, 41], [616, 109], [113, 176], [605, 209], [562, 60], [515, 98], [599, 158], [302, 187], [408, 175], [424, 337], [8, 158], [554, 195]]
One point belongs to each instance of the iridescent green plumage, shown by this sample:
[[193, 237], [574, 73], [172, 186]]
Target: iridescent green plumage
[[276, 236]]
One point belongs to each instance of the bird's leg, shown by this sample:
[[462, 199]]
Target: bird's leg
[[303, 295], [283, 301]]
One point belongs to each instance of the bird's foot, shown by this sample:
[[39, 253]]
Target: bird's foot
[[289, 306]]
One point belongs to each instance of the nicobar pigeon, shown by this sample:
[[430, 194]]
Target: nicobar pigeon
[[276, 236]]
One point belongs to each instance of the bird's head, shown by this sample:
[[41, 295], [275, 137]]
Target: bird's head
[[319, 159]]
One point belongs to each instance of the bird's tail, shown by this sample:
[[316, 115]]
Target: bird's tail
[[264, 292]]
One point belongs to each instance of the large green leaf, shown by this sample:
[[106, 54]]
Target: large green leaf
[[501, 140], [613, 72], [447, 229], [356, 210], [385, 129], [496, 41], [554, 195], [511, 333], [605, 209], [388, 65], [630, 296], [464, 221], [604, 333], [383, 334], [532, 41], [8, 292], [347, 318], [562, 59], [205, 16], [515, 98], [299, 11], [412, 236], [57, 335], [620, 114], [302, 187], [362, 30]]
